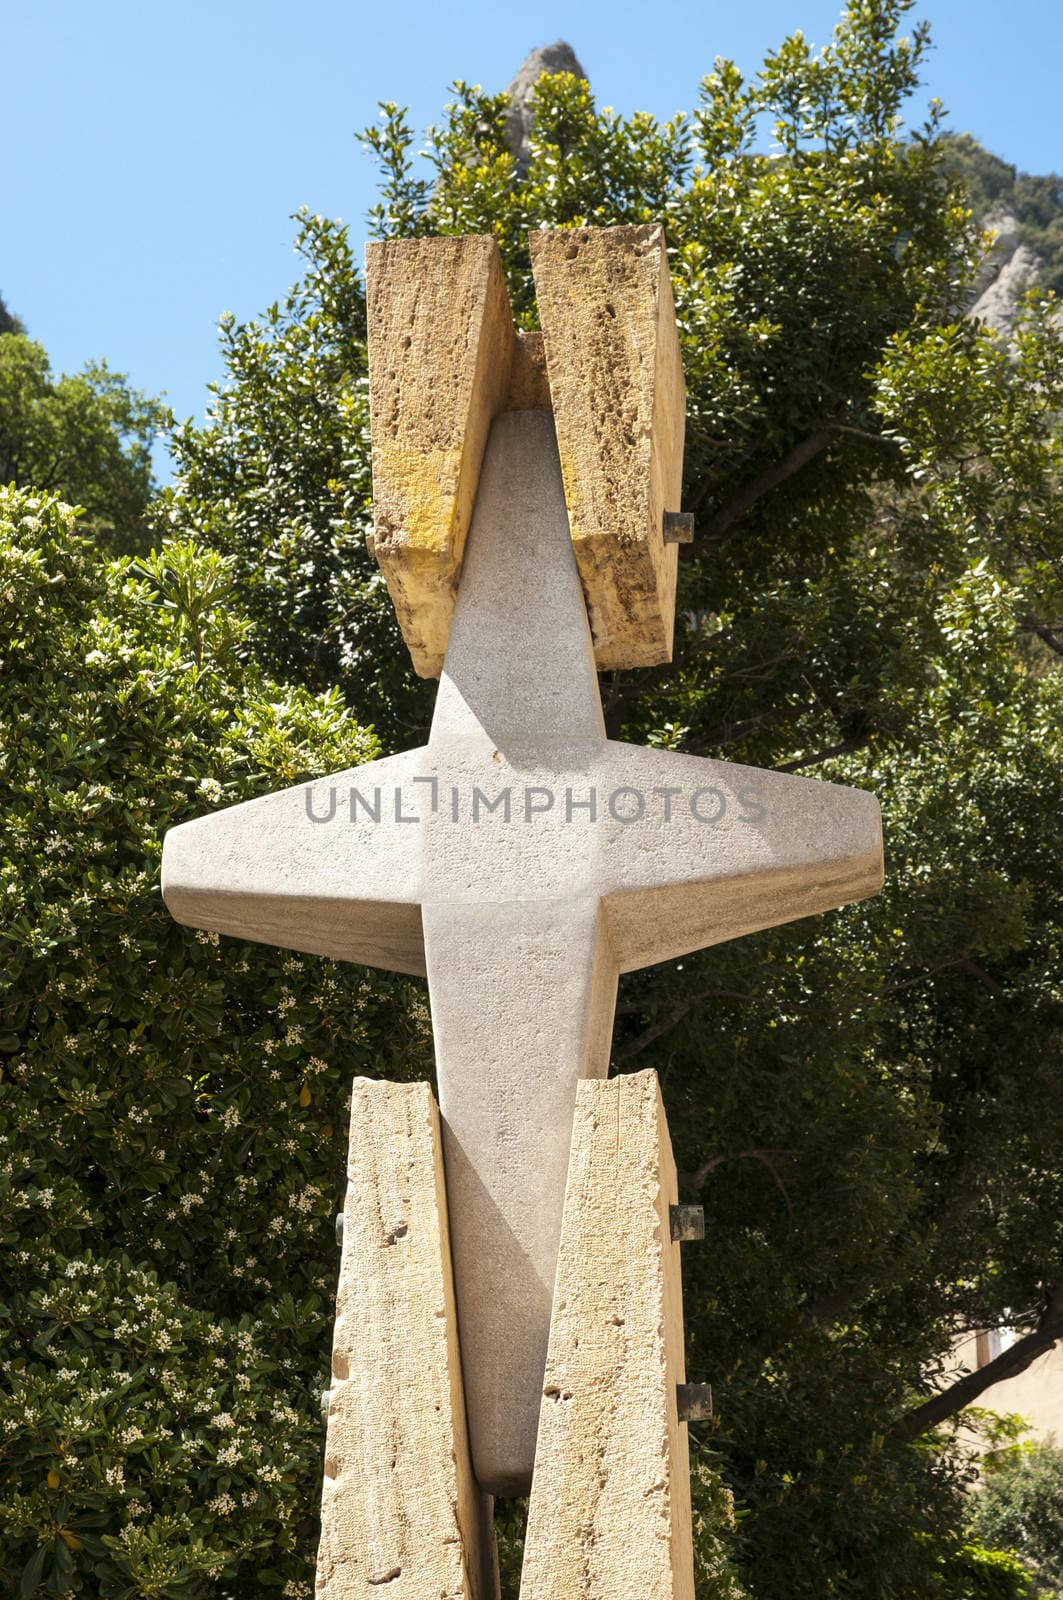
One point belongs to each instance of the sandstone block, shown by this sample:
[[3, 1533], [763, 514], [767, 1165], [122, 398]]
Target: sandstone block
[[440, 336], [445, 359], [610, 1503], [400, 1512], [616, 387]]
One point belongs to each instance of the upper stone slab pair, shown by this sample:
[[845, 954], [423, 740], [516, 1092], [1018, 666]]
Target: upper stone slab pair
[[445, 360]]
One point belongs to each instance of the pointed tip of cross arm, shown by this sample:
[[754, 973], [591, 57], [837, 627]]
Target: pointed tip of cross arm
[[445, 360], [270, 871]]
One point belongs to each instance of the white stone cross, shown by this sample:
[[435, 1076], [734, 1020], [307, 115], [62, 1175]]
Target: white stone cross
[[521, 860]]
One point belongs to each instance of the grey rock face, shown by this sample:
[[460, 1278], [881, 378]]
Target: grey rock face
[[551, 58], [998, 305], [1005, 225]]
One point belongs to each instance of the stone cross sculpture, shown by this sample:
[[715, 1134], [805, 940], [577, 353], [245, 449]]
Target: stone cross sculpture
[[525, 491]]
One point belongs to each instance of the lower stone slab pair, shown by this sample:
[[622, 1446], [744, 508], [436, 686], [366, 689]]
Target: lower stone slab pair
[[609, 1514]]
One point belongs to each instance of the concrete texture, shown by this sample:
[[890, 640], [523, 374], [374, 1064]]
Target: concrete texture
[[401, 1513], [604, 857], [619, 403], [610, 1500]]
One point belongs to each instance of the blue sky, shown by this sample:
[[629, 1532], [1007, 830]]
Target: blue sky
[[153, 155]]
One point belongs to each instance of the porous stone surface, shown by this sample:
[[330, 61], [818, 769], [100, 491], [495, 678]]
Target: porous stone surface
[[445, 359], [401, 1513], [440, 336], [522, 860], [610, 1501], [616, 385]]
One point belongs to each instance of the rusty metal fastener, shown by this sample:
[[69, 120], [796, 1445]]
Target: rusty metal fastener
[[693, 1401], [686, 1222], [677, 527]]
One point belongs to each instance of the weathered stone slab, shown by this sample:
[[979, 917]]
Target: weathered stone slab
[[440, 337], [444, 360], [616, 386], [401, 1514], [610, 1501]]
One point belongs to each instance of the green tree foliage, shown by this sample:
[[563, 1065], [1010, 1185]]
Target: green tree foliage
[[86, 436], [171, 1121], [993, 185], [1020, 1507], [9, 323], [869, 1105], [280, 480]]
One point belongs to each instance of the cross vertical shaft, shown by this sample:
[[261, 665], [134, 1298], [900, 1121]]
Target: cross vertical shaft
[[522, 989]]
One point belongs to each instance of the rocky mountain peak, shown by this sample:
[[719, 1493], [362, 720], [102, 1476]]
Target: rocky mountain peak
[[551, 58]]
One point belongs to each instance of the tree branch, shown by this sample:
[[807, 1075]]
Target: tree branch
[[802, 453], [806, 450], [635, 1046], [892, 1270], [693, 1180], [845, 748], [967, 965], [1008, 1364], [1045, 631], [728, 732]]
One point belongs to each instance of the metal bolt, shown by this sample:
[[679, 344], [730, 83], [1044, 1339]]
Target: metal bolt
[[678, 527], [339, 1229], [686, 1222], [693, 1401]]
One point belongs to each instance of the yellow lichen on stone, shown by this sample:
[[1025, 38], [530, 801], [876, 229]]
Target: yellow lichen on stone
[[616, 387], [428, 486], [440, 337], [445, 360]]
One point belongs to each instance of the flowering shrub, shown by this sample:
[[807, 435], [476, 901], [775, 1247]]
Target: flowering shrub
[[152, 1441], [1020, 1506], [172, 1109]]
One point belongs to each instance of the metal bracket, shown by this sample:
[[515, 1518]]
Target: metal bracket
[[686, 1222], [693, 1401], [677, 527]]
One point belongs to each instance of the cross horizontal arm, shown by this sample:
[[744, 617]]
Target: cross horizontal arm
[[696, 852], [322, 867]]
